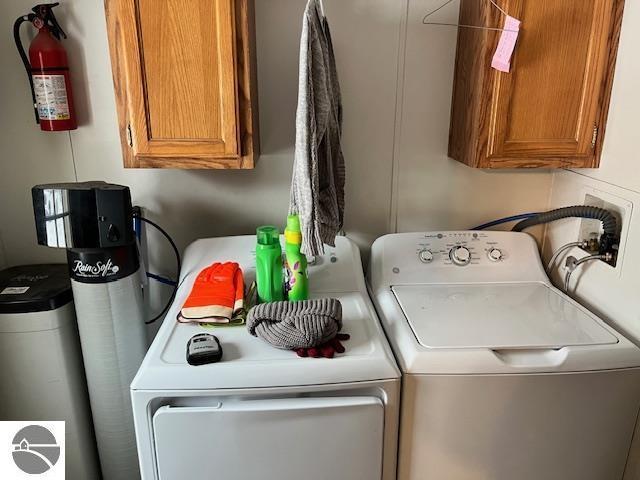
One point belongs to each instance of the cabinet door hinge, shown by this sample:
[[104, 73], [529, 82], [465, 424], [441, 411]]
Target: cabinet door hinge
[[594, 136], [129, 136]]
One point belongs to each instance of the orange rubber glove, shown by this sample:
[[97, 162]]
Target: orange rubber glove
[[217, 293]]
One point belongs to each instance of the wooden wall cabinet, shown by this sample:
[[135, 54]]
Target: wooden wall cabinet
[[550, 111], [184, 75]]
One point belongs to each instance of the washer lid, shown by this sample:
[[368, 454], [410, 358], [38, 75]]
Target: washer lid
[[497, 316]]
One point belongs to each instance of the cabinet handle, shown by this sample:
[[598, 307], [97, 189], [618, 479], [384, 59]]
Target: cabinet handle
[[129, 136]]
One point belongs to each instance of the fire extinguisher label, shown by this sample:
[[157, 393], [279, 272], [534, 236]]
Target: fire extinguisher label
[[51, 97]]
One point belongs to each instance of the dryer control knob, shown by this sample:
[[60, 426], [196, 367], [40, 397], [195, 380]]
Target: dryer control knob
[[495, 254], [460, 255], [426, 256]]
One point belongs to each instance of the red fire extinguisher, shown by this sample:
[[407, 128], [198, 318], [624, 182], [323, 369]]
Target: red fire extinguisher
[[48, 70]]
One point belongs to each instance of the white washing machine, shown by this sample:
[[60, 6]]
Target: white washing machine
[[264, 413], [504, 376]]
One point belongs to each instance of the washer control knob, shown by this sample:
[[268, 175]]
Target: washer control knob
[[460, 255], [426, 256], [495, 254]]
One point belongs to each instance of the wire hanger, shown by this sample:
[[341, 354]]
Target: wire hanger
[[424, 20]]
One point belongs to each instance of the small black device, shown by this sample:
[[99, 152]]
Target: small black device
[[83, 215], [203, 348]]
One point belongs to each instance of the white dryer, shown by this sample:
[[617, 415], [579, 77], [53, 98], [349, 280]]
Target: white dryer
[[263, 413], [504, 376]]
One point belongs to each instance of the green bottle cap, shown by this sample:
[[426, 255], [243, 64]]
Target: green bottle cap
[[292, 233], [293, 223], [268, 235]]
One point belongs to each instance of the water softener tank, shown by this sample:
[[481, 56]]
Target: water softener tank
[[42, 374], [93, 221]]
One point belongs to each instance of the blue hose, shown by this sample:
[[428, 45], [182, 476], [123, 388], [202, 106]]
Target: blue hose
[[500, 221], [161, 279]]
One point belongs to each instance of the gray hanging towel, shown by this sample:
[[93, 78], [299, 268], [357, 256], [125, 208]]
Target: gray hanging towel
[[317, 187]]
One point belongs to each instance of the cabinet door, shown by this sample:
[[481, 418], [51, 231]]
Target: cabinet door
[[551, 103], [175, 73]]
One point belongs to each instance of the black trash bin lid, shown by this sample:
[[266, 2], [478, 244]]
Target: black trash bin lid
[[34, 288]]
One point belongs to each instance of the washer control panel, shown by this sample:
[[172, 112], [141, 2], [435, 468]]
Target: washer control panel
[[461, 249], [444, 257]]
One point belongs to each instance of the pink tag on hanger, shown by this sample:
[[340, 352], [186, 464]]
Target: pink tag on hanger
[[502, 58]]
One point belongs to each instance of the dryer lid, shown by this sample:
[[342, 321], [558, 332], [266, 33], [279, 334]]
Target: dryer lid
[[497, 316]]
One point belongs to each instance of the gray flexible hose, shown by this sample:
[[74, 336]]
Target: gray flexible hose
[[560, 251], [567, 277], [609, 222]]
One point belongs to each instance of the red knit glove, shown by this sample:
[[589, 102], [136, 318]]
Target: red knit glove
[[217, 293], [326, 350]]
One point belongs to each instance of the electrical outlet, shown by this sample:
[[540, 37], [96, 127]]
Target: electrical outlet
[[591, 230]]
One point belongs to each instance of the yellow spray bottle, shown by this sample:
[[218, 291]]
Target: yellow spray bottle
[[297, 282]]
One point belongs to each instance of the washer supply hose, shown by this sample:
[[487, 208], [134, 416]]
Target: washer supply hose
[[609, 222], [561, 250], [573, 263]]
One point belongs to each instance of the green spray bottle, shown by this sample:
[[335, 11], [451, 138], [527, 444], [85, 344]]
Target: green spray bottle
[[269, 274], [295, 261]]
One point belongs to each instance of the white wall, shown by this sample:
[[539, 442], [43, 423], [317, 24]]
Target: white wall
[[396, 77], [431, 190], [612, 293], [27, 156], [213, 203], [192, 204]]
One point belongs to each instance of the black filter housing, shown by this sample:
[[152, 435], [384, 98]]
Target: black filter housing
[[83, 215]]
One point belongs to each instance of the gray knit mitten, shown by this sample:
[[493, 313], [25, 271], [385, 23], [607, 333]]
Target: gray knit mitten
[[292, 325]]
